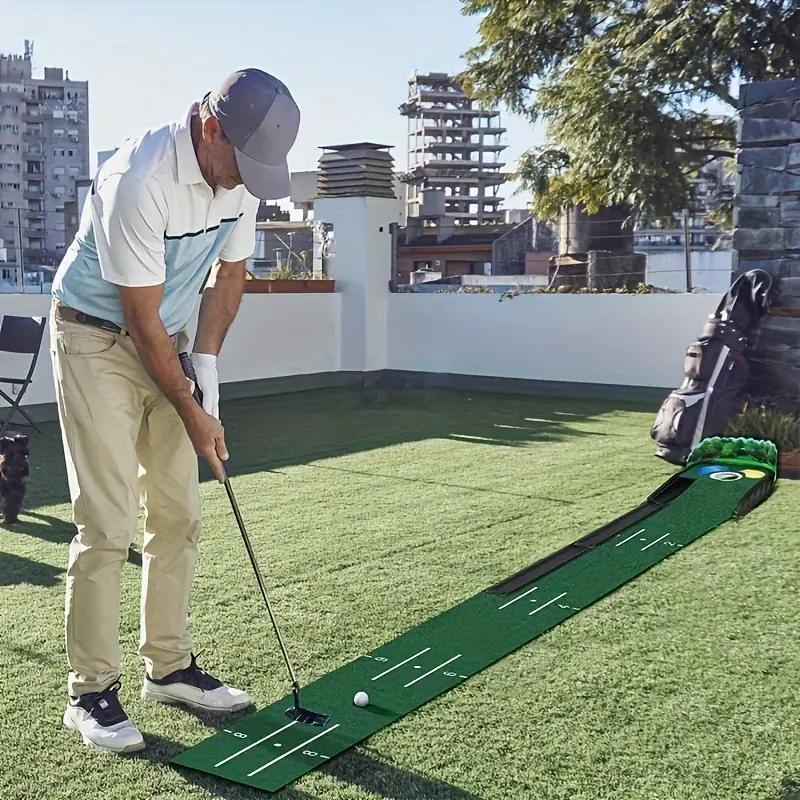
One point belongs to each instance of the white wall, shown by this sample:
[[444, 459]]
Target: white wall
[[283, 334], [635, 340], [273, 335], [711, 269]]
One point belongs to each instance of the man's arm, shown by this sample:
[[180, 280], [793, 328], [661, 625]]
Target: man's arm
[[219, 305], [140, 305]]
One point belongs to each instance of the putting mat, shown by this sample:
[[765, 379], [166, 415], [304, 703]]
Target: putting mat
[[724, 478]]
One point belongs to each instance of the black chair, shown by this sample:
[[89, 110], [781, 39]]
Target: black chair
[[20, 335]]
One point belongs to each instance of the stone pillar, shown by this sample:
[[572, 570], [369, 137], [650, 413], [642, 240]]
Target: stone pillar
[[767, 228]]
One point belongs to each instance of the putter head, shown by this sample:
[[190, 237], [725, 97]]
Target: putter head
[[306, 716]]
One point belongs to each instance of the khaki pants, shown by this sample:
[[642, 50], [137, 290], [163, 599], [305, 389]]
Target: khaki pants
[[124, 443]]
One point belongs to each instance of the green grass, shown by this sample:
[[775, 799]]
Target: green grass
[[373, 512]]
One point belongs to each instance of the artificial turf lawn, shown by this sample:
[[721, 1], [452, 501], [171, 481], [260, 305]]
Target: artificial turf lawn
[[372, 514]]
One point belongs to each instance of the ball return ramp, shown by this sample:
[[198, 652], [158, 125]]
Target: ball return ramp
[[724, 478]]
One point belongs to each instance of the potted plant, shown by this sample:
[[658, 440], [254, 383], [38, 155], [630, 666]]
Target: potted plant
[[780, 427], [284, 280]]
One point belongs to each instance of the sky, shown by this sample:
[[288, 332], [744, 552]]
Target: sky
[[346, 62]]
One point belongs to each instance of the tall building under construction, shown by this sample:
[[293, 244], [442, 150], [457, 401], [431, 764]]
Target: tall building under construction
[[454, 149]]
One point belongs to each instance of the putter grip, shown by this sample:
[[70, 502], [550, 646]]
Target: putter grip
[[188, 371]]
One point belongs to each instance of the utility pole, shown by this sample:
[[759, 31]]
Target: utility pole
[[687, 249], [20, 257]]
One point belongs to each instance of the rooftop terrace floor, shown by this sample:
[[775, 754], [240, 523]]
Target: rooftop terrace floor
[[374, 511]]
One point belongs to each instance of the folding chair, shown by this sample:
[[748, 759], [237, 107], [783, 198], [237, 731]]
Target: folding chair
[[20, 335]]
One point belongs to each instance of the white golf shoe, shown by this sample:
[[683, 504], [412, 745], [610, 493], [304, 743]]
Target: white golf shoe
[[99, 718], [197, 689]]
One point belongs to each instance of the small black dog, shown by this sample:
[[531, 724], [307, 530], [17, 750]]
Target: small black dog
[[14, 452]]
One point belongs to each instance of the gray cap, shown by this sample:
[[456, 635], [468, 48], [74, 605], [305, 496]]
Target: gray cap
[[259, 116]]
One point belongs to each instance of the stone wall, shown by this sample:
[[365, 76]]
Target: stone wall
[[767, 228]]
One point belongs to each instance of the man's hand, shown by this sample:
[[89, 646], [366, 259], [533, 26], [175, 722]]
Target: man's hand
[[205, 369], [208, 439], [141, 305]]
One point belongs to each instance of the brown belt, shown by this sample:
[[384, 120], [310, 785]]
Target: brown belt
[[72, 315]]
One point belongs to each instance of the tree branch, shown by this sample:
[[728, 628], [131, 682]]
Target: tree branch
[[723, 94]]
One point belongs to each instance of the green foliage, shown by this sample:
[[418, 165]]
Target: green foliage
[[622, 87], [742, 450], [767, 423]]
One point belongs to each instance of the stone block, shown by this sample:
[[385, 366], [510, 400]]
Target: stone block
[[792, 238], [761, 180], [772, 131], [782, 109], [759, 240], [756, 200], [775, 157], [790, 211], [757, 217], [791, 181], [779, 267], [764, 91], [793, 155]]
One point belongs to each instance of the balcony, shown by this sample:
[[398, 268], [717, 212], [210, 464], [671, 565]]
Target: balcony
[[387, 506]]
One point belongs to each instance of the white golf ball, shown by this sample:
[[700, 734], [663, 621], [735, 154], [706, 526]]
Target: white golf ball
[[361, 699]]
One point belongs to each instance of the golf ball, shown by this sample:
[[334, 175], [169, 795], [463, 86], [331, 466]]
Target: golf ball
[[361, 699]]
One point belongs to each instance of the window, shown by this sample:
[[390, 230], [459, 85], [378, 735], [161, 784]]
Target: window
[[74, 171], [70, 153], [59, 191], [73, 131], [58, 171], [58, 131], [58, 113]]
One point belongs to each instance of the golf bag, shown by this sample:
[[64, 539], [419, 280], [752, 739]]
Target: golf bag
[[716, 370]]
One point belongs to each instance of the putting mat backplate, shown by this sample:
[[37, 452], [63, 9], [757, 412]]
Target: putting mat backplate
[[267, 750]]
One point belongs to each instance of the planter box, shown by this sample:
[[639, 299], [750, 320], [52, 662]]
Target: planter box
[[789, 464], [285, 286]]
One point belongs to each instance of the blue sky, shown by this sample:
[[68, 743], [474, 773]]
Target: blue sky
[[345, 61]]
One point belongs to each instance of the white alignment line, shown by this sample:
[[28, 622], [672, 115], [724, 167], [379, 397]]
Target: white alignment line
[[517, 598], [294, 749], [630, 537], [430, 671], [250, 746], [537, 610], [655, 541], [410, 658]]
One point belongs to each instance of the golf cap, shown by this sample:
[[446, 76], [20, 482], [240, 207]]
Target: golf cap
[[260, 118]]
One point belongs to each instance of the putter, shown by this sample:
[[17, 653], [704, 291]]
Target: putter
[[296, 712]]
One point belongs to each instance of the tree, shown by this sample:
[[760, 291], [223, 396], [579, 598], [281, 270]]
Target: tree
[[623, 87]]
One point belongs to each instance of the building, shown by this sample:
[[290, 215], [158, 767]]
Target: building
[[446, 249], [73, 209], [714, 186], [44, 151], [454, 148]]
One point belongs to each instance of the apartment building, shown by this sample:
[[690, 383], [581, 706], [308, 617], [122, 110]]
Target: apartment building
[[44, 152]]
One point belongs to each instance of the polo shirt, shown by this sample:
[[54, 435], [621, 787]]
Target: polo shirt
[[150, 219]]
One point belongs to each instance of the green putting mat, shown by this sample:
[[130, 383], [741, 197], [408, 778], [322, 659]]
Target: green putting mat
[[267, 750]]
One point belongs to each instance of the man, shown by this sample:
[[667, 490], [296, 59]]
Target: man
[[161, 212]]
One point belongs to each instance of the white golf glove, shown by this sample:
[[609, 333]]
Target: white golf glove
[[205, 369]]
